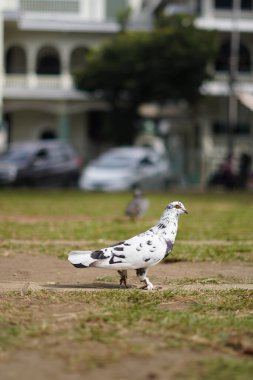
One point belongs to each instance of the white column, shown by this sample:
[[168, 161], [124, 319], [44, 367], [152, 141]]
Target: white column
[[85, 9], [63, 125], [135, 6], [93, 10], [207, 8], [66, 79], [31, 67], [97, 10], [206, 150]]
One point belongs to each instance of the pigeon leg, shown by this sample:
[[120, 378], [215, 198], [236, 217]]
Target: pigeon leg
[[142, 274], [123, 277]]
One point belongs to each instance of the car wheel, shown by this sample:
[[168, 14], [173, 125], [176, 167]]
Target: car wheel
[[71, 182]]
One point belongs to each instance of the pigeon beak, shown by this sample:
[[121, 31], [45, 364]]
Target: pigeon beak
[[185, 211]]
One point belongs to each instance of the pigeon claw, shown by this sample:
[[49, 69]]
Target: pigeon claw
[[123, 278], [148, 286]]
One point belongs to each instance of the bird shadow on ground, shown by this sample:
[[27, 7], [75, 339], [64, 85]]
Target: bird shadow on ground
[[93, 285], [174, 261]]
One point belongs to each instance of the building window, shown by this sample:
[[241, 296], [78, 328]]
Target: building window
[[223, 4], [48, 62], [221, 128], [77, 60], [246, 5], [48, 134], [228, 4], [15, 60], [199, 7], [222, 62]]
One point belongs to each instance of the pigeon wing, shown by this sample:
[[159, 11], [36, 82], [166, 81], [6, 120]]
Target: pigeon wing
[[137, 252]]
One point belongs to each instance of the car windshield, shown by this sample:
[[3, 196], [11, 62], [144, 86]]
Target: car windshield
[[116, 162], [16, 155]]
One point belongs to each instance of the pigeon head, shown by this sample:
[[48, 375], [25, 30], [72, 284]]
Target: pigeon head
[[137, 193], [173, 210], [176, 208]]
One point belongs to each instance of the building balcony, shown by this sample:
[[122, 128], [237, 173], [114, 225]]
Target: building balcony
[[72, 15], [225, 24], [219, 87], [243, 78], [23, 86], [62, 6], [31, 81]]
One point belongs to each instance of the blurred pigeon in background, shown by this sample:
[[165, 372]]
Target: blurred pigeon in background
[[140, 252], [137, 206]]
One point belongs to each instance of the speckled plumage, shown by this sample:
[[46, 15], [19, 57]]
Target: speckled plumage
[[139, 252]]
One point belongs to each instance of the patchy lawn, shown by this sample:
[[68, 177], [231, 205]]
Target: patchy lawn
[[174, 333]]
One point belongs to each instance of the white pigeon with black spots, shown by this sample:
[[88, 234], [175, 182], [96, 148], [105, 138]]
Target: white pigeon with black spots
[[140, 252]]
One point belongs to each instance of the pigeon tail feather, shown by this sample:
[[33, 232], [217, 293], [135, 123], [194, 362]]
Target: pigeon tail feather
[[81, 259]]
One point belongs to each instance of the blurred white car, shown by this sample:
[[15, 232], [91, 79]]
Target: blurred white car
[[125, 168]]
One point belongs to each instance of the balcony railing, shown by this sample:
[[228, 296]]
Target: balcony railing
[[50, 6], [39, 82], [243, 77], [48, 81], [226, 14], [15, 81]]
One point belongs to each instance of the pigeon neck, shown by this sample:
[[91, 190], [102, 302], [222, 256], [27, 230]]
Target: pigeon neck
[[167, 217], [167, 227]]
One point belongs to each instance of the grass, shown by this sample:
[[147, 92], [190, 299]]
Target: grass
[[75, 215], [94, 220], [206, 321], [216, 253], [219, 368], [89, 329], [215, 280]]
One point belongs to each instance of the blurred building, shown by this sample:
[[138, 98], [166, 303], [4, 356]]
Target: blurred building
[[42, 42], [227, 117], [224, 123]]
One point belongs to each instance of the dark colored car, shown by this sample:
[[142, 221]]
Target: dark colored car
[[43, 163]]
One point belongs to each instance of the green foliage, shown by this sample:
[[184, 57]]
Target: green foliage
[[167, 63], [180, 20]]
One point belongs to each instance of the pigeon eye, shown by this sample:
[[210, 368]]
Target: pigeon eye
[[177, 206]]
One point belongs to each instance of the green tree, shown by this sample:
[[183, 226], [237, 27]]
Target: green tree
[[168, 63]]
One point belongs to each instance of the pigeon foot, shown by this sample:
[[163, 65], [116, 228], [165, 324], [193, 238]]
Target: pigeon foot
[[123, 282], [148, 286], [123, 278]]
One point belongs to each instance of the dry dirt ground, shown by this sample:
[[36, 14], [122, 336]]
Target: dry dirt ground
[[21, 273], [42, 272]]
